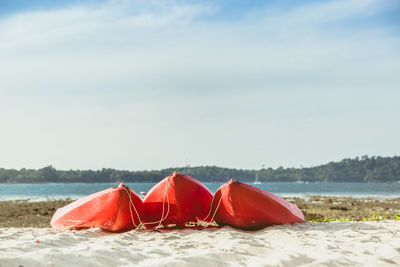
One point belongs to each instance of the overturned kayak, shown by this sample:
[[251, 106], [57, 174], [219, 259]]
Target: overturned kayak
[[247, 207], [114, 209], [175, 202]]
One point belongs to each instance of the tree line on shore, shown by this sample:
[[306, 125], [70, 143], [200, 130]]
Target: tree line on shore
[[364, 169]]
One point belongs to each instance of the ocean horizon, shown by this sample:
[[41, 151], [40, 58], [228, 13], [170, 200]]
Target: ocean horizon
[[60, 191]]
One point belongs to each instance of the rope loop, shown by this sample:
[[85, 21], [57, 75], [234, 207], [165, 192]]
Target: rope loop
[[199, 224], [143, 224], [138, 227], [209, 213]]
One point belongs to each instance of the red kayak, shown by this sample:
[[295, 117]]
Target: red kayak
[[114, 209], [176, 201], [247, 207]]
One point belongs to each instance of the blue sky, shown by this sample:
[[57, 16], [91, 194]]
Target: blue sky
[[153, 84]]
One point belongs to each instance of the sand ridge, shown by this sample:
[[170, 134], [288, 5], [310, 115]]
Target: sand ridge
[[310, 244]]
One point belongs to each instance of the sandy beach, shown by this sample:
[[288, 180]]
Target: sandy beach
[[309, 244], [27, 240]]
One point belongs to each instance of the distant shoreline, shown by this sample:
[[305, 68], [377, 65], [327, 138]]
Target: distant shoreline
[[358, 170]]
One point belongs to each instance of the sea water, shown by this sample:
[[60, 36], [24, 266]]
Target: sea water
[[39, 192]]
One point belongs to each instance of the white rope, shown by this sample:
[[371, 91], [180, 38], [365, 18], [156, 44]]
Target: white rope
[[168, 209], [162, 214], [141, 223], [130, 209], [216, 209]]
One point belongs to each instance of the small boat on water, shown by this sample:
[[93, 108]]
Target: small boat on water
[[246, 207], [257, 181], [114, 209]]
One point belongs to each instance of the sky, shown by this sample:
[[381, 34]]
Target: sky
[[138, 85]]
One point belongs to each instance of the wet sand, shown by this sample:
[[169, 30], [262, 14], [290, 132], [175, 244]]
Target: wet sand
[[22, 213], [317, 207], [38, 214]]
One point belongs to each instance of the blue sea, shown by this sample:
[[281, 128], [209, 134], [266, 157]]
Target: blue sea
[[39, 192]]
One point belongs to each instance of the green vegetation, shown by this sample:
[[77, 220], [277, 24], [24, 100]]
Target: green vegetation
[[325, 219], [364, 169], [374, 217]]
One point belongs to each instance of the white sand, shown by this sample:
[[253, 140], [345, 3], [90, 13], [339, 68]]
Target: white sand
[[311, 244]]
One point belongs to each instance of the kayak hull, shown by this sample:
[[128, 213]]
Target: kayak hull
[[176, 201], [114, 209], [246, 207]]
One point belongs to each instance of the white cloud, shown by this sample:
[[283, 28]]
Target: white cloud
[[136, 86]]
